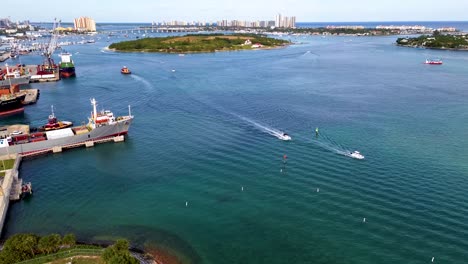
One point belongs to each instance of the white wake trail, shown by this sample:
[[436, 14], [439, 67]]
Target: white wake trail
[[147, 84], [269, 130]]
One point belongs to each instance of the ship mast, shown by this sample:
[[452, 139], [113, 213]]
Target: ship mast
[[94, 103]]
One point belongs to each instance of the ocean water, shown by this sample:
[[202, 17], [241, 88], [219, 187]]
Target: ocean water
[[205, 134], [460, 25]]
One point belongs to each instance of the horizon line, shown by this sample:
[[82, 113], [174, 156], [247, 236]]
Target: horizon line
[[373, 21]]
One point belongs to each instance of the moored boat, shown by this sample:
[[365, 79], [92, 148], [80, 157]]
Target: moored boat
[[66, 66], [12, 77]]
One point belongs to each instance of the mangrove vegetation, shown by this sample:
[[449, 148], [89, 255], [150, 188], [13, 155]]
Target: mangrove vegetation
[[199, 43], [436, 41]]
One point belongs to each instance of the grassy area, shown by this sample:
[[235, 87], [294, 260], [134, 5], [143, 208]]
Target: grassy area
[[2, 174], [80, 260], [64, 254], [197, 43], [8, 164]]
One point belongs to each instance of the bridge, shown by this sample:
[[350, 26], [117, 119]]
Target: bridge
[[155, 29]]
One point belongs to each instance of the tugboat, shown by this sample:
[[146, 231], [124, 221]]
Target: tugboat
[[54, 124], [66, 66], [125, 70]]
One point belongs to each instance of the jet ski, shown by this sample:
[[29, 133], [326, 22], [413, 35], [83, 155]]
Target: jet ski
[[285, 137], [356, 155]]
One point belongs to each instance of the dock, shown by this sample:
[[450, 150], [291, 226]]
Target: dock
[[87, 144], [9, 184], [31, 95]]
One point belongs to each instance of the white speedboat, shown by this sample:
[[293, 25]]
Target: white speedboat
[[356, 155], [285, 137]]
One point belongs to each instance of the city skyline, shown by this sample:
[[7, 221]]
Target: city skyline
[[211, 10]]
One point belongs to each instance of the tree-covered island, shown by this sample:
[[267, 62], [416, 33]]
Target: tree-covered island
[[199, 43], [436, 41]]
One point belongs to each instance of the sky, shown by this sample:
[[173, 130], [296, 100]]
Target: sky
[[251, 10]]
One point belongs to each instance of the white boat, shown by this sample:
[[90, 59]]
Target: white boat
[[356, 155], [285, 137]]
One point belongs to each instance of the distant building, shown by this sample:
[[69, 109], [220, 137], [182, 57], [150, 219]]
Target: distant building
[[285, 22], [5, 23], [84, 24]]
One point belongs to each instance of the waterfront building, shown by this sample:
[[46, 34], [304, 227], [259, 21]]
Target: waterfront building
[[84, 24]]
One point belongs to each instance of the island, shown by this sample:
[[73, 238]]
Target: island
[[436, 41], [199, 43]]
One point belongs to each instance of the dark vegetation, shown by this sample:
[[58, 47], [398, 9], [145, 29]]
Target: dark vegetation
[[436, 41], [197, 43], [22, 247]]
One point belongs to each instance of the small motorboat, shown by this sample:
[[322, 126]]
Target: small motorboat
[[356, 155], [433, 62], [125, 70], [26, 190], [285, 137]]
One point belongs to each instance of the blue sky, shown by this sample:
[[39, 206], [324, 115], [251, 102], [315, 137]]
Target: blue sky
[[212, 10]]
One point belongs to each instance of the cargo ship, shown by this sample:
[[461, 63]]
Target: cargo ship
[[20, 139], [11, 104], [8, 77], [66, 66]]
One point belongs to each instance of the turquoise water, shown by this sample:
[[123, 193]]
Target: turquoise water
[[199, 137]]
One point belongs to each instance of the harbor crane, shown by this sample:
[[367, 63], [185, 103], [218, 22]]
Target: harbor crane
[[49, 64]]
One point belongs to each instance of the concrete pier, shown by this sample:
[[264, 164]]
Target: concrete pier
[[89, 143], [8, 184], [31, 95]]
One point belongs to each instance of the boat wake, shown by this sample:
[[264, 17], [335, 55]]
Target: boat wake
[[271, 131], [327, 143], [106, 50], [147, 84]]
